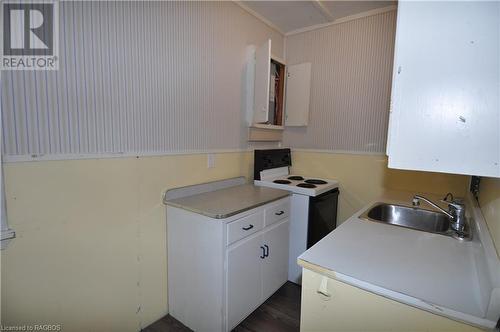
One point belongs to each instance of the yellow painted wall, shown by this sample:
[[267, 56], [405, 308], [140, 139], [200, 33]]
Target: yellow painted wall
[[90, 251], [364, 177], [489, 200]]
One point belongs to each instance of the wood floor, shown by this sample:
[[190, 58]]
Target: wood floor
[[280, 313]]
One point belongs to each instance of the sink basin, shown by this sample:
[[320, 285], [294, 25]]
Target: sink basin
[[409, 217]]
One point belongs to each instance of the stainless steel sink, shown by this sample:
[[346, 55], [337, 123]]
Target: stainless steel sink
[[409, 217]]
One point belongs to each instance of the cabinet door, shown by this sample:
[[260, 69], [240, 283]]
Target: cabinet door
[[261, 87], [445, 98], [244, 279], [275, 265], [298, 90]]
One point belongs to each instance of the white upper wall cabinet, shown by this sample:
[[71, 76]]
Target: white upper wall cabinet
[[445, 108], [272, 86]]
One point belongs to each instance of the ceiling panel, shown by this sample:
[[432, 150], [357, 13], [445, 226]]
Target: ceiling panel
[[292, 15], [288, 15], [340, 9]]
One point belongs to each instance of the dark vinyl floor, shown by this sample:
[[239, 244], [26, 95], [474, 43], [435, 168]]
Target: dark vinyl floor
[[280, 313]]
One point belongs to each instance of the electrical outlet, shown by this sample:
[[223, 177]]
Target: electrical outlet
[[210, 160]]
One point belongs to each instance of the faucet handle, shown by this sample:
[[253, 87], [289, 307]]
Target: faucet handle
[[457, 204], [445, 199]]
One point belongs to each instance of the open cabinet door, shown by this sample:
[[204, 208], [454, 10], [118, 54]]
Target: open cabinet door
[[261, 88], [298, 90]]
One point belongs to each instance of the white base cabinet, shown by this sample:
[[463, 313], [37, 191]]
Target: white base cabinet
[[331, 305], [220, 270], [257, 267]]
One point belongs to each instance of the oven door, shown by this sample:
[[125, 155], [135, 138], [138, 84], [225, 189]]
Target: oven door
[[322, 216]]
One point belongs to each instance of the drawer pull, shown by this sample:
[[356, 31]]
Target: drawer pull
[[247, 228], [263, 252], [279, 213], [266, 253]]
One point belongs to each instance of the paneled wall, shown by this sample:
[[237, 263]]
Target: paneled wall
[[350, 84], [135, 77], [489, 200]]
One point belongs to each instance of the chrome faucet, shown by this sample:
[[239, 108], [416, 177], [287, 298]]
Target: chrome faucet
[[456, 210]]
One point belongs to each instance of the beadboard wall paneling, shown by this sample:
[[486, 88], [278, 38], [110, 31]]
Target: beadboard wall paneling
[[136, 77], [350, 84]]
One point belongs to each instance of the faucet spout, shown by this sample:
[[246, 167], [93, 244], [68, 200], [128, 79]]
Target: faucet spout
[[418, 198]]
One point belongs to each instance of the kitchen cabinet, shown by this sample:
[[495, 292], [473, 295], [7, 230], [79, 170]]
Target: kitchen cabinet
[[275, 265], [331, 305], [244, 270], [277, 94], [257, 267], [220, 270], [445, 106]]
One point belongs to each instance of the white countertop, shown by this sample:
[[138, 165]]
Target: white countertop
[[227, 202], [430, 271]]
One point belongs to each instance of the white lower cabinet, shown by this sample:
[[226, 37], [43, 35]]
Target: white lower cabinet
[[244, 279], [331, 305], [220, 270], [257, 267], [275, 265]]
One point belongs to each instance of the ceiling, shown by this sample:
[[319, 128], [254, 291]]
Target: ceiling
[[288, 16]]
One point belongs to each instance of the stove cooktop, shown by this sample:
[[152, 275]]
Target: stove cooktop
[[298, 184]]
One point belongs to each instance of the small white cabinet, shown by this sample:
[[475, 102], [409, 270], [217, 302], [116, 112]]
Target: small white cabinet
[[275, 264], [244, 271], [277, 94], [445, 106], [220, 270], [257, 267]]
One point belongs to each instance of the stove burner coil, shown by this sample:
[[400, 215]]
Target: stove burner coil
[[296, 177], [315, 181], [306, 185], [282, 181]]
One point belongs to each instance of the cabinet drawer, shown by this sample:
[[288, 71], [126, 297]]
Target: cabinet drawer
[[277, 212], [245, 226]]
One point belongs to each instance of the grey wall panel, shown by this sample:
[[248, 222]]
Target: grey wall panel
[[136, 77], [350, 84]]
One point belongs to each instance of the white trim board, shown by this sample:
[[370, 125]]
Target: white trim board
[[362, 153], [59, 157], [368, 13], [56, 157]]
